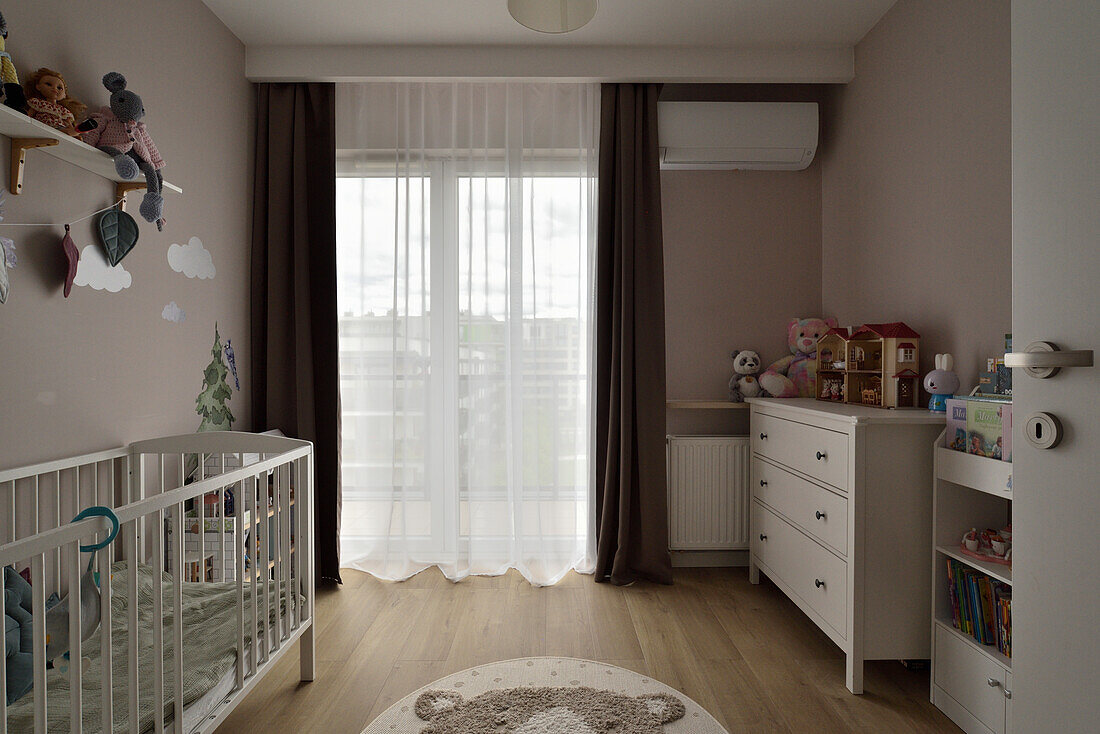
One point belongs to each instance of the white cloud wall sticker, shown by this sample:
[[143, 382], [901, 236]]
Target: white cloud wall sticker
[[192, 259], [172, 312], [94, 271]]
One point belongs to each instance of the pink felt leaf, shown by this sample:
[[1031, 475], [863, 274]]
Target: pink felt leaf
[[72, 255]]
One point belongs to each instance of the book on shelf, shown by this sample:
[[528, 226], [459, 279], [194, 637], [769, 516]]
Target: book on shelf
[[981, 607]]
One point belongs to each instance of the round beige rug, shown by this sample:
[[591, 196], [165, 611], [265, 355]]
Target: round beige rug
[[545, 696]]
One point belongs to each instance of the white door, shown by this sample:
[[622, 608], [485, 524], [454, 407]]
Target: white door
[[1056, 298]]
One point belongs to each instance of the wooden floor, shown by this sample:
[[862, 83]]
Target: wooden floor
[[744, 652]]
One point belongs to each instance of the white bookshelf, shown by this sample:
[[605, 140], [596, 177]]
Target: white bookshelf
[[28, 134], [970, 682]]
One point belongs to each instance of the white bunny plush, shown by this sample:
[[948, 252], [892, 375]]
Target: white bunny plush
[[942, 383]]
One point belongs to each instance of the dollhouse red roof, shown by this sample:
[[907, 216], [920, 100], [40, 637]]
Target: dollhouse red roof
[[907, 345], [907, 373], [842, 333], [895, 330]]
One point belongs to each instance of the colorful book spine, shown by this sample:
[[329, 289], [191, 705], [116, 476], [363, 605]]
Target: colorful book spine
[[981, 607]]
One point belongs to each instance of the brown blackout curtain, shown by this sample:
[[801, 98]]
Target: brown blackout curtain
[[631, 503], [295, 375]]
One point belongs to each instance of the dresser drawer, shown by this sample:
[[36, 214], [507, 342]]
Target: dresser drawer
[[817, 452], [817, 576], [821, 513], [965, 674]]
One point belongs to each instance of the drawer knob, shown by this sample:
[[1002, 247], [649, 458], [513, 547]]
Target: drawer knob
[[992, 682], [763, 537], [821, 455], [763, 482], [819, 583], [819, 515], [1008, 693], [763, 437]]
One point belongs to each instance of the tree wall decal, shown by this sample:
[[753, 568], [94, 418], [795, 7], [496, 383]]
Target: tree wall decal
[[211, 402]]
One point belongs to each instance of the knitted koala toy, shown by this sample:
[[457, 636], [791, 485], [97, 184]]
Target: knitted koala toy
[[122, 135]]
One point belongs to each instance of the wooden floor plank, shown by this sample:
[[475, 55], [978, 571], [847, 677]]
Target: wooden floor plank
[[743, 652]]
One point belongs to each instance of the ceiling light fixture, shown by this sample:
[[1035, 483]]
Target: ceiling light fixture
[[552, 16]]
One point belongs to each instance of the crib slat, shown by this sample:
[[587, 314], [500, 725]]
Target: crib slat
[[254, 551], [104, 558], [3, 668], [57, 524], [138, 481], [277, 571], [38, 626], [262, 564], [158, 629], [37, 521], [76, 490], [238, 565], [177, 612], [76, 676], [295, 538], [306, 501], [131, 541], [287, 613], [11, 487]]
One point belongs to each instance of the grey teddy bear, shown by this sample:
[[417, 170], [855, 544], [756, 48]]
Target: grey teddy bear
[[122, 135]]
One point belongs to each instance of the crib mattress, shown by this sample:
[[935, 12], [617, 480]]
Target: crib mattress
[[209, 653]]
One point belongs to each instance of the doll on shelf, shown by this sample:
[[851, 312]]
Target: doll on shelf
[[48, 101]]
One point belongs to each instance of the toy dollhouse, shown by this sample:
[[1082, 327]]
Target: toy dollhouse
[[876, 365]]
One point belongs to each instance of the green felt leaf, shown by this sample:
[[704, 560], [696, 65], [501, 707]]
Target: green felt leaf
[[119, 233]]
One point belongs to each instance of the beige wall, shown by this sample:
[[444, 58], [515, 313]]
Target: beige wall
[[916, 180], [742, 256], [99, 369]]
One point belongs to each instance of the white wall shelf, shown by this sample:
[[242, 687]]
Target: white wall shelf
[[29, 134], [971, 682], [705, 405]]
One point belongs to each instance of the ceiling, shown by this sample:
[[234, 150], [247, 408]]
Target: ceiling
[[694, 23]]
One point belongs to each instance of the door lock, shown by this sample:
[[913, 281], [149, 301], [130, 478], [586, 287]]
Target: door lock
[[1043, 430]]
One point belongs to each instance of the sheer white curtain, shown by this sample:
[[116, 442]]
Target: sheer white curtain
[[466, 224]]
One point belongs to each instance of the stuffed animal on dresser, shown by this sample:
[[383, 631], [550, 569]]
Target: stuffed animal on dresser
[[795, 375], [744, 383], [121, 134]]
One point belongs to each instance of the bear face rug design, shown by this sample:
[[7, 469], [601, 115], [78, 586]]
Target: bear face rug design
[[530, 710], [545, 696]]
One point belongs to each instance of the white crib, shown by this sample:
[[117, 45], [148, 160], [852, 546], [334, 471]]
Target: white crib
[[267, 606]]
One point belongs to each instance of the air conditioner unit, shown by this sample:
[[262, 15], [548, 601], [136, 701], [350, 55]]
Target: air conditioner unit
[[769, 136]]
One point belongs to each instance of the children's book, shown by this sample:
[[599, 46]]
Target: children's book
[[985, 429], [956, 424]]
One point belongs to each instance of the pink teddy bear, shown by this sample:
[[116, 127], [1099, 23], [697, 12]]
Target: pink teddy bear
[[795, 375]]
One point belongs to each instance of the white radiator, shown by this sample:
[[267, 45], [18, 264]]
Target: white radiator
[[708, 492]]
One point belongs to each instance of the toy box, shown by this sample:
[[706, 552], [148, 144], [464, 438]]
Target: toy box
[[989, 429], [956, 424]]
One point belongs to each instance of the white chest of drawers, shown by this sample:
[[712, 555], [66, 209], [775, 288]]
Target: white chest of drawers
[[842, 521]]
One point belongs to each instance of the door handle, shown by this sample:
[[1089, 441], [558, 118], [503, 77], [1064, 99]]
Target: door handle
[[1044, 359]]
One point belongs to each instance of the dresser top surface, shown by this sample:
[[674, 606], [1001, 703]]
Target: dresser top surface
[[844, 412]]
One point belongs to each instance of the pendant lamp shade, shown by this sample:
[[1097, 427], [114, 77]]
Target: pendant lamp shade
[[552, 16]]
